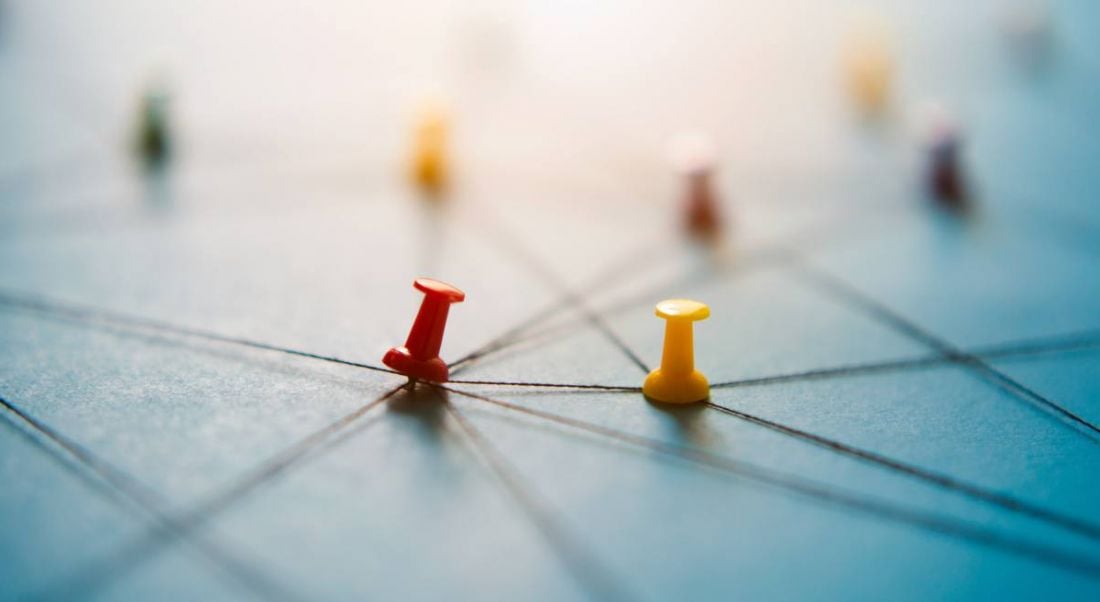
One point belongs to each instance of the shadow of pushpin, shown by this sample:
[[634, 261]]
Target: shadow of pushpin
[[424, 406], [677, 380], [687, 423], [419, 358]]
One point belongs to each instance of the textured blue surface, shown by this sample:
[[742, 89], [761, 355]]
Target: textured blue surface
[[904, 400]]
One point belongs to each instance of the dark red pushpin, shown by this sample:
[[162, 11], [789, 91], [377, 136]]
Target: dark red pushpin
[[419, 358], [693, 155], [944, 178], [703, 221]]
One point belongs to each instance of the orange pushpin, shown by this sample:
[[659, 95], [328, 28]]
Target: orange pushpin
[[428, 163], [677, 380], [419, 358], [869, 65]]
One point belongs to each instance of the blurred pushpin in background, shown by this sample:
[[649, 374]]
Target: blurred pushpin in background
[[693, 156], [868, 65], [153, 140], [429, 158], [944, 178]]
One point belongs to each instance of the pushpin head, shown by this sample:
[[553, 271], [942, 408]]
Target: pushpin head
[[419, 358], [441, 289], [682, 309], [677, 380]]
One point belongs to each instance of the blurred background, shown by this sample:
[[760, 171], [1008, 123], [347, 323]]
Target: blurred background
[[565, 90]]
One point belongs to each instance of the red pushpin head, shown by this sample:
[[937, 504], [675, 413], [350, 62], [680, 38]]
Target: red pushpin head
[[419, 358], [435, 287]]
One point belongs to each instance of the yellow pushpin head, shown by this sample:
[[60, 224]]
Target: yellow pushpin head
[[677, 380], [428, 164], [869, 65], [682, 309]]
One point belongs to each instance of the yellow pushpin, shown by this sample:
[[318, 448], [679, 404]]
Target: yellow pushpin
[[869, 65], [677, 380], [428, 164]]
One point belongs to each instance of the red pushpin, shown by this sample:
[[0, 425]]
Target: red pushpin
[[702, 219], [945, 180], [419, 358], [693, 155]]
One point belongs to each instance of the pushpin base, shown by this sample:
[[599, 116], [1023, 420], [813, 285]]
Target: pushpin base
[[676, 388], [433, 370]]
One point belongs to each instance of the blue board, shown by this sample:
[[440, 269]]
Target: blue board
[[904, 400]]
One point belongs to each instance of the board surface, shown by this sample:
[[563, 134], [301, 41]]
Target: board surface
[[904, 401]]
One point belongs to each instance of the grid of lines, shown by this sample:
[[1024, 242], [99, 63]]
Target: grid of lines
[[171, 527]]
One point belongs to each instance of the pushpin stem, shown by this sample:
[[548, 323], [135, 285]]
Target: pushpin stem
[[678, 355], [426, 335]]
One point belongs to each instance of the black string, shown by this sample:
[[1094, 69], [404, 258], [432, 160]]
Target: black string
[[499, 383], [1018, 348], [1031, 346], [583, 565], [838, 371], [813, 490], [504, 339], [99, 574], [756, 260], [95, 314], [1002, 500], [766, 256], [888, 316], [514, 334], [143, 498], [65, 461], [595, 320], [513, 249]]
